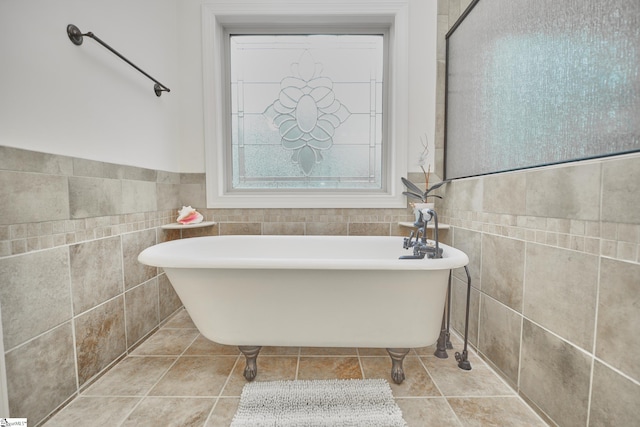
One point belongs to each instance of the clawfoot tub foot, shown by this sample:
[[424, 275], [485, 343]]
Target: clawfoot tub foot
[[397, 357], [250, 355]]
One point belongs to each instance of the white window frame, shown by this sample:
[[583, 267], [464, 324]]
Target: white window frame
[[220, 16]]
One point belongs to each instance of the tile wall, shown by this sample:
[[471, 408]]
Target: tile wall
[[555, 266], [74, 299], [554, 298], [554, 303]]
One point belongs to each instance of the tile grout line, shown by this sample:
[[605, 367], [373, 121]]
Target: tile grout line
[[455, 414], [298, 363], [364, 377], [500, 378], [142, 398], [595, 329], [215, 404]]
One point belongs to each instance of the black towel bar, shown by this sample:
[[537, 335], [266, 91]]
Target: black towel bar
[[76, 37]]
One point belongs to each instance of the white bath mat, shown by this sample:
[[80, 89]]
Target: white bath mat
[[366, 403]]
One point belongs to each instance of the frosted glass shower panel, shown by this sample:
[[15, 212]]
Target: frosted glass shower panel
[[306, 111], [531, 83]]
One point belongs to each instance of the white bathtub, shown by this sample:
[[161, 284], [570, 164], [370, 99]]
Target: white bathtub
[[316, 291]]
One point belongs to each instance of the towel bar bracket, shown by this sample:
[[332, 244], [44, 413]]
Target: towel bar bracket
[[75, 35]]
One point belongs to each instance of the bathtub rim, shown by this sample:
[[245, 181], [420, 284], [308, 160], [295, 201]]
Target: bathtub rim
[[168, 255]]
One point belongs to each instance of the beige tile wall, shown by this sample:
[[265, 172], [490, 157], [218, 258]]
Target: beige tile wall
[[74, 298], [555, 266], [70, 233], [575, 282], [554, 299]]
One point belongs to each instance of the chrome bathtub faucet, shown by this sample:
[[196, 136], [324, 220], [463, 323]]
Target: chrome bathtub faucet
[[420, 245]]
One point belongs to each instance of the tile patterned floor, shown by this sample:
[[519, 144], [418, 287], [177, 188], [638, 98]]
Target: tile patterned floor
[[179, 378]]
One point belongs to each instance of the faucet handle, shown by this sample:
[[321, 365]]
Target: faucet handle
[[437, 253], [407, 241], [427, 214]]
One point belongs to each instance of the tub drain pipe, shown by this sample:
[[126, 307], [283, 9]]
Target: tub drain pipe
[[444, 340], [448, 334]]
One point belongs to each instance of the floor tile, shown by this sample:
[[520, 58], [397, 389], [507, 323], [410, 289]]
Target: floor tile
[[328, 351], [178, 377], [195, 376], [205, 347], [494, 411], [325, 368], [365, 352], [280, 351], [456, 342], [427, 411], [102, 411], [223, 412], [167, 342], [180, 320], [426, 351], [170, 411], [417, 381], [453, 381], [270, 368], [133, 376]]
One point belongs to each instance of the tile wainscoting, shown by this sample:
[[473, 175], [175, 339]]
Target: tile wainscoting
[[554, 302], [555, 265], [74, 298]]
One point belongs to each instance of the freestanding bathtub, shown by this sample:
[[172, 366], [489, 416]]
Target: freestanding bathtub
[[312, 291]]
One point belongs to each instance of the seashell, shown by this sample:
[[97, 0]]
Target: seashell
[[188, 215]]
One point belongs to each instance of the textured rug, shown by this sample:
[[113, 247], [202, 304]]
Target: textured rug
[[366, 403]]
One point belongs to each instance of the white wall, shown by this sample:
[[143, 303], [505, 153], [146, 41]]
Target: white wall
[[83, 101], [423, 21]]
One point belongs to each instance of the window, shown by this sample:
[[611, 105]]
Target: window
[[298, 111], [312, 106]]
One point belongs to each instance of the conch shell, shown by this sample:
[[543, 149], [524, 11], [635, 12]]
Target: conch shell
[[188, 215]]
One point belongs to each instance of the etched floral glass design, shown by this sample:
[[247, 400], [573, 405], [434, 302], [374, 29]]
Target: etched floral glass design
[[306, 111]]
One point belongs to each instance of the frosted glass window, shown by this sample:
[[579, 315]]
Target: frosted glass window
[[306, 111], [531, 83]]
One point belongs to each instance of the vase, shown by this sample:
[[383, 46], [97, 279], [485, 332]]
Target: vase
[[418, 207]]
